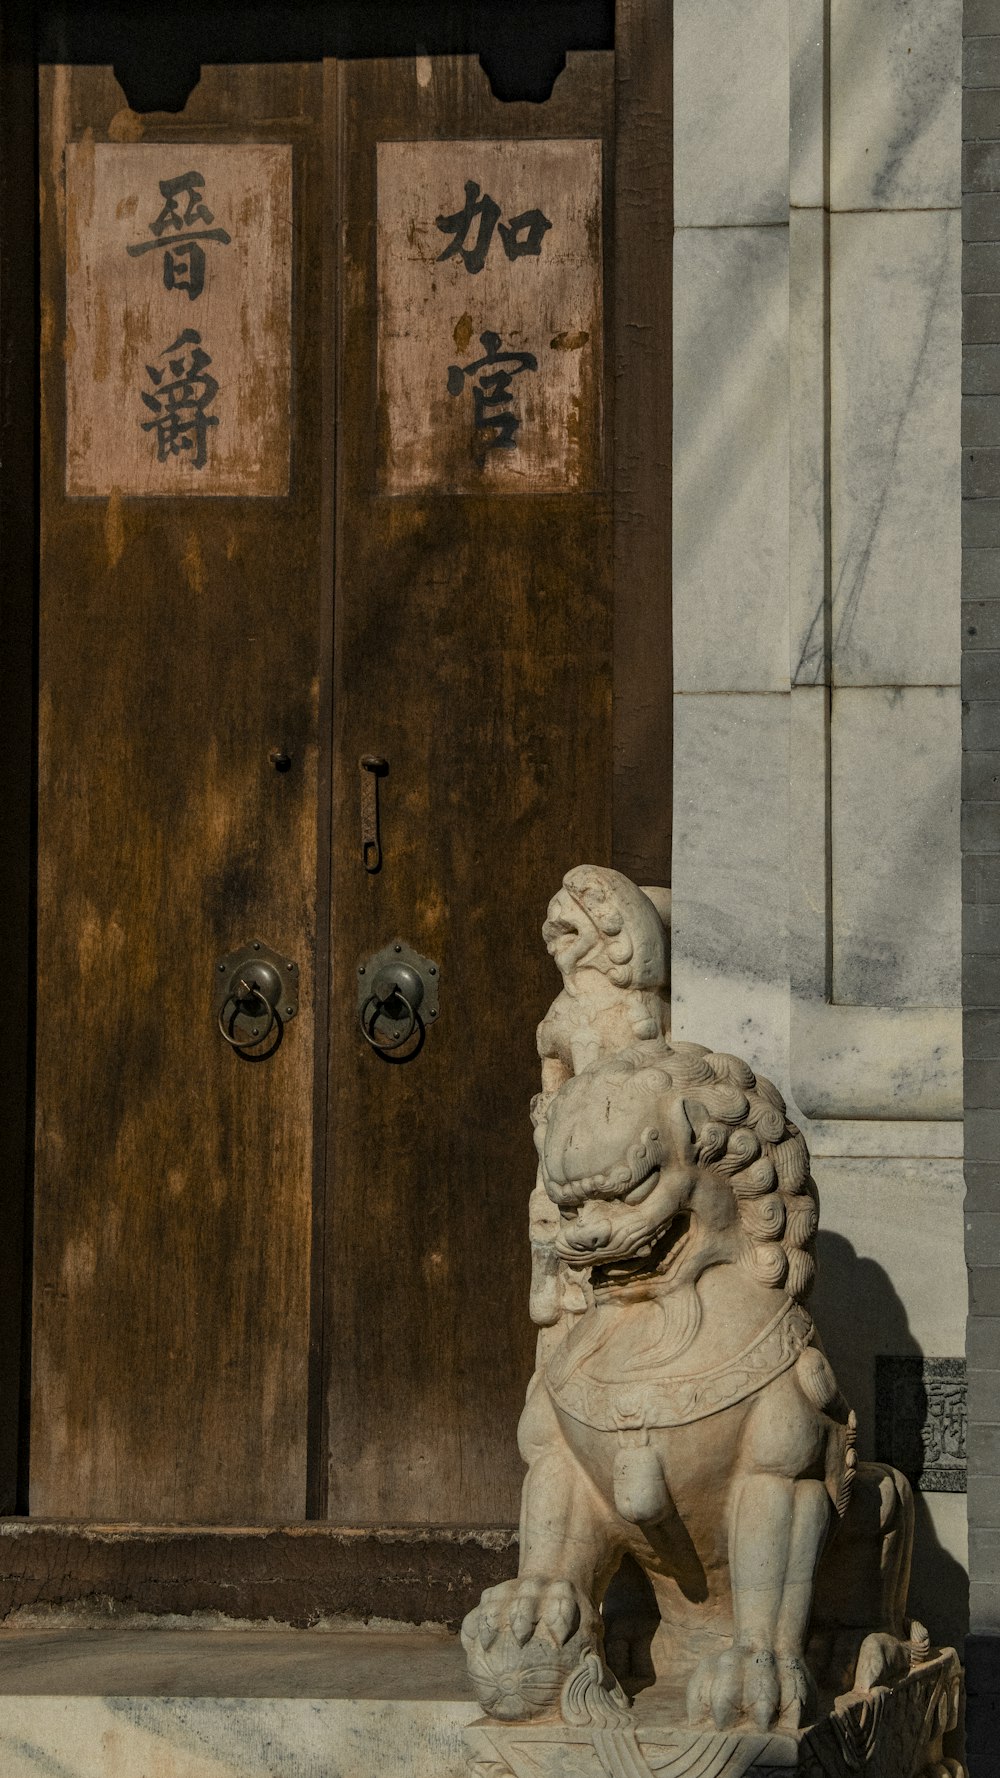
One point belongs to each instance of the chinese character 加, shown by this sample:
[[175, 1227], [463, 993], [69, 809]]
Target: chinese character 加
[[514, 245], [459, 225], [178, 407], [521, 235], [492, 401], [183, 255]]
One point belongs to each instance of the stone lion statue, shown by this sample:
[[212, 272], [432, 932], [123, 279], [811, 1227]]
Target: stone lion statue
[[690, 1455]]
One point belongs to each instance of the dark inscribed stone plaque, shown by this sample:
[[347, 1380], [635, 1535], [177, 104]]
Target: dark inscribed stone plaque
[[920, 1420]]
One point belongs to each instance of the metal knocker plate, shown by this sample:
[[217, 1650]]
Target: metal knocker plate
[[397, 997], [257, 992]]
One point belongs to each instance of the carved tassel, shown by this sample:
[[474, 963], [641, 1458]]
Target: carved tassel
[[641, 1493]]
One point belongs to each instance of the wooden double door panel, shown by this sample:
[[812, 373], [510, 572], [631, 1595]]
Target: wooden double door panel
[[326, 473]]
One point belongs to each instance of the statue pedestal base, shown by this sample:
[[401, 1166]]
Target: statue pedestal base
[[886, 1733]]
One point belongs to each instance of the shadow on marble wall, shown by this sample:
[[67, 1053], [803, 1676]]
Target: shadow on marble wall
[[860, 1316]]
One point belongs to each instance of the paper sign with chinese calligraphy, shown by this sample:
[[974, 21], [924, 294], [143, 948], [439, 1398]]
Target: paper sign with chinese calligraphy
[[490, 317], [178, 309]]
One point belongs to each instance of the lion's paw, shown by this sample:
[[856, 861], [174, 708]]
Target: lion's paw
[[752, 1684], [523, 1641]]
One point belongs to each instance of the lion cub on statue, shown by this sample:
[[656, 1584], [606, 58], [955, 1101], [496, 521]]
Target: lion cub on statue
[[683, 1412]]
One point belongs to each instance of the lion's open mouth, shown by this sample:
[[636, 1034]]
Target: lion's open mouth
[[564, 937], [653, 1258]]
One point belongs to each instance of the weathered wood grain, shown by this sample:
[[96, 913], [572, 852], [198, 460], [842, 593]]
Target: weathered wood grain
[[471, 648], [472, 651], [643, 699], [179, 649], [159, 282], [18, 484], [442, 291], [286, 1574], [319, 1317]]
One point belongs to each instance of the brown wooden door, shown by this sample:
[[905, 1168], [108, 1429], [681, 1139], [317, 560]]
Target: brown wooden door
[[179, 648], [473, 652], [298, 1285]]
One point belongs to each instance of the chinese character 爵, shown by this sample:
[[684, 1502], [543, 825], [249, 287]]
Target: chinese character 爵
[[492, 401], [183, 255], [180, 421]]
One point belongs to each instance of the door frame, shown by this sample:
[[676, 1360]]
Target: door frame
[[18, 639]]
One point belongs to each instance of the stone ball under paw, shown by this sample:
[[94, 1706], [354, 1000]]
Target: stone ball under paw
[[514, 1682]]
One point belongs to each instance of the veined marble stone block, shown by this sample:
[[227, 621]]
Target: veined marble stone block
[[888, 1245], [894, 443], [907, 1296], [730, 546], [841, 979], [807, 122], [895, 861], [808, 292], [216, 1703], [729, 964], [730, 112], [230, 1738], [878, 1061], [895, 104]]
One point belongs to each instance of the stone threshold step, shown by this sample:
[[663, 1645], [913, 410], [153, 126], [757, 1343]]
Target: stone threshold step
[[215, 1703], [300, 1575]]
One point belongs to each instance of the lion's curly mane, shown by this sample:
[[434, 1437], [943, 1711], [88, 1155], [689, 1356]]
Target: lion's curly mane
[[749, 1141]]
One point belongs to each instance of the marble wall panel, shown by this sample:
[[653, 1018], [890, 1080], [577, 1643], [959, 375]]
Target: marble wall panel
[[895, 758], [895, 459], [901, 1297], [730, 112], [808, 417], [729, 967], [731, 459], [807, 173], [933, 1138], [891, 1280], [895, 104], [846, 808], [853, 1067]]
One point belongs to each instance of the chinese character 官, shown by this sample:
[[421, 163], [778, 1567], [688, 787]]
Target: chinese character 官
[[180, 421], [521, 235], [183, 255], [492, 401]]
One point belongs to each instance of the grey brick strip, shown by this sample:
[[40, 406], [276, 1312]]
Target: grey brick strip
[[981, 852]]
